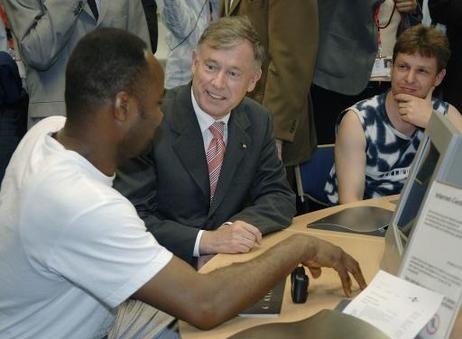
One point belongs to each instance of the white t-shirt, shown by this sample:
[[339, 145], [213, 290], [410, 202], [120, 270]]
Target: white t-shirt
[[71, 247]]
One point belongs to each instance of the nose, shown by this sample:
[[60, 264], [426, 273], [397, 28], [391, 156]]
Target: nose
[[219, 79], [410, 76]]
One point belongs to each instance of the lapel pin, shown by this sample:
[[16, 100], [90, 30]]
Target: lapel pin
[[243, 146]]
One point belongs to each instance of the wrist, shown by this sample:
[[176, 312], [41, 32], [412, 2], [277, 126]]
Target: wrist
[[308, 246], [205, 244]]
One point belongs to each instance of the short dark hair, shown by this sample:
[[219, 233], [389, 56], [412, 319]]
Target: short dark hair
[[227, 32], [427, 41], [104, 62]]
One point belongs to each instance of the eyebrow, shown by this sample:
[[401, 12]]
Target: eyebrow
[[418, 65], [233, 68], [211, 60]]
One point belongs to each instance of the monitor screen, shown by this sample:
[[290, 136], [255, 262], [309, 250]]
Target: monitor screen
[[420, 185]]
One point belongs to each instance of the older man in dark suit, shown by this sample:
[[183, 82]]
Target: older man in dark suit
[[212, 182]]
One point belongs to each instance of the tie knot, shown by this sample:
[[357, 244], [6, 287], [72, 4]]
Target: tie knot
[[217, 129]]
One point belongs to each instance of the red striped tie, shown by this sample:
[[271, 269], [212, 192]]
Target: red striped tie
[[215, 154]]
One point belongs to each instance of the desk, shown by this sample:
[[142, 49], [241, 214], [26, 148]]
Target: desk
[[326, 291]]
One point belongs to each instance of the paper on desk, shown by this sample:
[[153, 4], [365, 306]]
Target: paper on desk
[[397, 307]]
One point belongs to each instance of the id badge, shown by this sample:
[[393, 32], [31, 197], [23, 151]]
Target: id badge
[[21, 69], [382, 67]]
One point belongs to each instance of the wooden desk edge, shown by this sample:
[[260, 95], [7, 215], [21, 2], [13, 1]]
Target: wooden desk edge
[[327, 297]]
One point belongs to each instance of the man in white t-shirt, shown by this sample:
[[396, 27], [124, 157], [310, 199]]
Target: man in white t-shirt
[[72, 249]]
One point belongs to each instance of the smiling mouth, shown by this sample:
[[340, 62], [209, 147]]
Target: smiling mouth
[[215, 96]]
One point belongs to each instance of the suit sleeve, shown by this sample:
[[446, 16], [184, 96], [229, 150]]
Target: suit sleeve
[[178, 17], [136, 180], [42, 28], [271, 201], [292, 45], [137, 23]]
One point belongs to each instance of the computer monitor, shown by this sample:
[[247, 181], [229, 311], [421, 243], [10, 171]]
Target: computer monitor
[[439, 157]]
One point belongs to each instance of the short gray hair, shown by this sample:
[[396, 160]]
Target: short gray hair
[[228, 32]]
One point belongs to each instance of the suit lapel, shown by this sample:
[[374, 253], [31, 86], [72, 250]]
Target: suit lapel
[[238, 142], [188, 143]]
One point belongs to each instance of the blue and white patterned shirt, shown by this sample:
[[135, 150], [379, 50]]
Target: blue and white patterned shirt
[[389, 153]]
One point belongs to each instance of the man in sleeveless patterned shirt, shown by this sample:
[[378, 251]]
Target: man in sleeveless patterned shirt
[[377, 138]]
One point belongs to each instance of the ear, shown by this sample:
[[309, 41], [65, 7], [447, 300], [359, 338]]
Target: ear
[[195, 61], [440, 76], [121, 106], [254, 80]]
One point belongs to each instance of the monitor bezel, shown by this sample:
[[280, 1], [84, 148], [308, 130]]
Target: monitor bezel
[[444, 136]]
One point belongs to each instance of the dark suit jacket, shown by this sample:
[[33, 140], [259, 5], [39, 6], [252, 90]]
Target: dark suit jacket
[[288, 31], [169, 184], [347, 45], [449, 13]]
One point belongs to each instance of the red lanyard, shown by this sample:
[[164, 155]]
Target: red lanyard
[[380, 27], [7, 27]]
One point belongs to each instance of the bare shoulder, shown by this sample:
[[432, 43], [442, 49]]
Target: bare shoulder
[[350, 131]]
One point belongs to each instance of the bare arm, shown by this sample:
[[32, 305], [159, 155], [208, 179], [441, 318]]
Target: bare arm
[[350, 159], [204, 299]]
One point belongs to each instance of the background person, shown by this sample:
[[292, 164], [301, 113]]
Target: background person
[[289, 34], [46, 33], [190, 208], [378, 138], [354, 37], [185, 21]]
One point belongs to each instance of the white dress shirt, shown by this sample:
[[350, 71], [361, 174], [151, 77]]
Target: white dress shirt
[[205, 121]]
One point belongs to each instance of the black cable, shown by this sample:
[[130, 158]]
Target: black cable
[[193, 29]]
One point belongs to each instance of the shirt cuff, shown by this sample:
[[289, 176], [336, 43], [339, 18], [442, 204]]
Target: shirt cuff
[[196, 244]]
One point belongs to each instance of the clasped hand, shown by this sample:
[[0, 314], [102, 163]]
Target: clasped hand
[[238, 237]]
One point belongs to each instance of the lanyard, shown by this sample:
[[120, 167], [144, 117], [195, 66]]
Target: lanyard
[[380, 27], [7, 28]]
